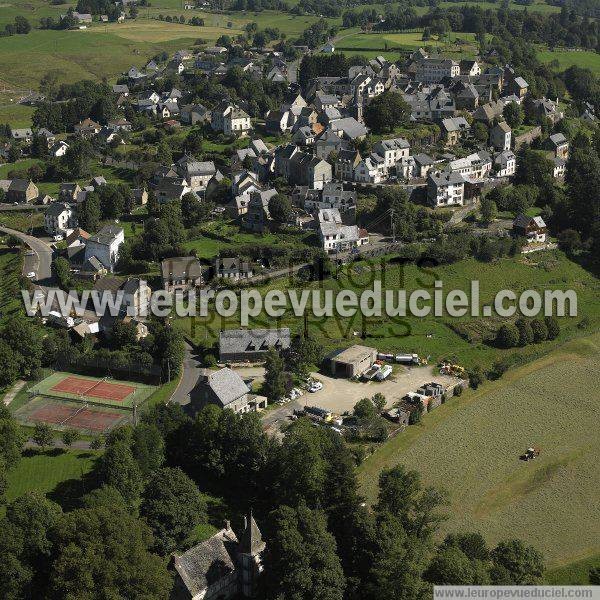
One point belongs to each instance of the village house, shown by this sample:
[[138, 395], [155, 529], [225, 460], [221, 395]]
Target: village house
[[226, 389], [196, 173], [453, 129], [59, 218], [559, 168], [251, 345], [351, 362], [558, 143], [532, 228], [182, 273], [469, 68], [22, 191], [230, 119], [335, 236], [58, 149], [87, 128], [232, 268], [136, 297], [445, 189], [392, 151], [505, 164], [104, 246], [500, 136], [22, 135], [68, 192], [222, 567], [475, 167]]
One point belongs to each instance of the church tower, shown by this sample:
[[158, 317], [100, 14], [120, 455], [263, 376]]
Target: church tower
[[251, 546]]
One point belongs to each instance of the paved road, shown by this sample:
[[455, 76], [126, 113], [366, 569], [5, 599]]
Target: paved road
[[40, 262], [189, 377]]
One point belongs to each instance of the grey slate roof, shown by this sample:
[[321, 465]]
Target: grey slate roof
[[253, 340], [226, 385]]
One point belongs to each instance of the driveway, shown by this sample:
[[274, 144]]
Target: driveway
[[340, 395], [40, 262]]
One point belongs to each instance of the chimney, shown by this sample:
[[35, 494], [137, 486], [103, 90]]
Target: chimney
[[227, 524]]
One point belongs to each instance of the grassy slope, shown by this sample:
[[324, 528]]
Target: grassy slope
[[431, 335], [471, 446], [584, 59]]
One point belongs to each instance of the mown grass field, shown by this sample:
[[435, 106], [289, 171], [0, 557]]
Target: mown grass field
[[471, 447], [52, 473], [430, 335], [584, 59], [10, 269]]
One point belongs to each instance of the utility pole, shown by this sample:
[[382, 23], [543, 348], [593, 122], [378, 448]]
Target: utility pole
[[393, 225]]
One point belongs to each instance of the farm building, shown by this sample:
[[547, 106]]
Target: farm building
[[250, 345], [352, 361]]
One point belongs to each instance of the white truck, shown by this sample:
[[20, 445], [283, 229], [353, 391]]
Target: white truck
[[407, 359], [383, 373]]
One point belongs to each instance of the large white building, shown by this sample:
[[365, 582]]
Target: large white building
[[475, 167], [445, 189], [433, 70], [105, 245], [230, 119], [335, 236], [59, 218]]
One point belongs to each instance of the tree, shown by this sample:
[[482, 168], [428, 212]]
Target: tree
[[569, 241], [88, 212], [12, 438], [119, 469], [148, 448], [69, 437], [97, 442], [540, 331], [379, 401], [386, 112], [104, 552], [480, 131], [172, 506], [513, 114], [515, 563], [280, 208], [62, 270], [365, 410], [10, 365], [525, 332], [451, 566], [42, 435], [274, 385], [301, 560], [553, 327], [488, 210], [507, 336], [475, 376], [594, 576]]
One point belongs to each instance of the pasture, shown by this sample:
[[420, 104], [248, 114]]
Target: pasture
[[585, 59], [471, 447]]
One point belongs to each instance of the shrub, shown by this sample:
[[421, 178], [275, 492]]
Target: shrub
[[525, 332], [553, 327], [458, 390], [540, 331], [507, 336], [498, 369], [475, 377]]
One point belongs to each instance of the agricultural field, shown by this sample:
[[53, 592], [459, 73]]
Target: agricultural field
[[581, 58], [471, 447], [430, 336], [10, 269]]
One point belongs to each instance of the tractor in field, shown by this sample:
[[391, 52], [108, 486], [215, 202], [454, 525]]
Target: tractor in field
[[530, 454]]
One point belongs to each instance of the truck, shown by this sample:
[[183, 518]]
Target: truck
[[407, 359], [383, 373], [371, 371]]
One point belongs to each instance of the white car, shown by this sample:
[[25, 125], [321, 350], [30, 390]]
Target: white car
[[315, 387], [31, 275], [58, 237]]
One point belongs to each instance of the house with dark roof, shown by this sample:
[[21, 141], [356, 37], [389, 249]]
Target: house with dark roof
[[181, 273], [532, 228], [222, 567], [251, 345], [105, 245], [232, 269], [22, 191]]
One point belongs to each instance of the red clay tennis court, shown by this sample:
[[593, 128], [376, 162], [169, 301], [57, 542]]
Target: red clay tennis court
[[80, 418], [94, 389]]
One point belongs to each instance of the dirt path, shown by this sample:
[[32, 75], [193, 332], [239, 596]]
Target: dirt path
[[10, 395]]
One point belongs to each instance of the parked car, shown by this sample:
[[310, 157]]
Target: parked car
[[58, 237], [31, 275], [315, 387]]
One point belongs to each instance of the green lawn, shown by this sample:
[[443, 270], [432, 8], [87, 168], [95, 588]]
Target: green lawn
[[585, 59], [10, 269], [430, 335], [471, 447], [55, 473], [575, 573]]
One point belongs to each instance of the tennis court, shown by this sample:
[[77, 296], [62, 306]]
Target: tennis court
[[62, 414], [103, 391]]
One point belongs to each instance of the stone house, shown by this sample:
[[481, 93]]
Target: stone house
[[181, 273]]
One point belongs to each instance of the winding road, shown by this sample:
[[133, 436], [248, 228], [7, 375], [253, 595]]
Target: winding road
[[40, 262]]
